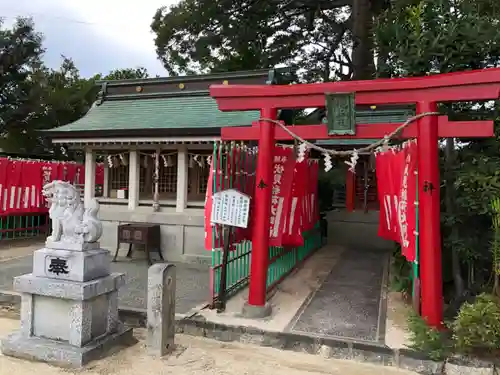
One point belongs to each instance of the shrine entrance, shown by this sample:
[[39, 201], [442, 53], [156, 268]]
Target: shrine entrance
[[341, 100]]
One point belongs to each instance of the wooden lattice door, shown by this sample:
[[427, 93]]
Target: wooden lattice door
[[366, 186]]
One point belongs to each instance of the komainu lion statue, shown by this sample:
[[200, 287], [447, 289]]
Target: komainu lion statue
[[71, 223]]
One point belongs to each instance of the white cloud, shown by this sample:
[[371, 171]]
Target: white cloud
[[100, 35], [126, 25]]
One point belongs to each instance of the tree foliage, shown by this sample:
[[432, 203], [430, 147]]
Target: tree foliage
[[313, 36], [129, 73], [416, 38], [34, 97], [20, 50], [419, 37]]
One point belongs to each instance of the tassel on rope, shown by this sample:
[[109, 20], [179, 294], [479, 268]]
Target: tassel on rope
[[328, 162], [385, 144], [170, 163], [354, 160], [123, 160], [302, 152], [198, 161]]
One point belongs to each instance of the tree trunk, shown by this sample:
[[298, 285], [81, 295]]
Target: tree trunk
[[362, 35], [450, 210]]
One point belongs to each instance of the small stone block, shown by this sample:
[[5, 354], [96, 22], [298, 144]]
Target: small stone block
[[161, 309], [72, 321], [256, 312], [68, 289], [463, 365], [71, 265], [62, 354], [414, 361]]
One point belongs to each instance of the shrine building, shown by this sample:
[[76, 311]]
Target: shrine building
[[166, 127]]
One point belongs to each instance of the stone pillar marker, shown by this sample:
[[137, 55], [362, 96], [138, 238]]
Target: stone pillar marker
[[69, 303], [161, 309]]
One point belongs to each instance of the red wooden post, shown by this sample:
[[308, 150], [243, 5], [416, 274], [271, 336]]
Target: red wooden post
[[261, 218], [425, 91], [350, 190], [429, 216]]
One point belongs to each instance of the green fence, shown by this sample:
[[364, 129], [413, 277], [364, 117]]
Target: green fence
[[233, 166], [14, 227], [284, 260], [281, 262]]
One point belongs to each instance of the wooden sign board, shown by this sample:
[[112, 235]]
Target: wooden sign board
[[341, 113], [230, 207]]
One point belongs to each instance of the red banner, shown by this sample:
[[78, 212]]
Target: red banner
[[294, 221], [283, 167], [31, 184], [14, 187], [21, 182], [407, 202], [396, 181], [99, 174], [4, 165], [387, 183], [208, 208], [231, 168], [313, 197]]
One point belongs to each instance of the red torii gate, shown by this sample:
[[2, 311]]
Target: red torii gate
[[425, 92]]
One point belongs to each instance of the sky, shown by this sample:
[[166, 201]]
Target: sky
[[99, 35]]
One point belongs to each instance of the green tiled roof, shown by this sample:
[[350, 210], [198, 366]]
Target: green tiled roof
[[159, 113]]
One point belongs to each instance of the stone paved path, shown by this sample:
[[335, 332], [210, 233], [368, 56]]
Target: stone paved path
[[348, 302], [192, 281]]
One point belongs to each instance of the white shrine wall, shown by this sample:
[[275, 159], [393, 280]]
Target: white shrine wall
[[181, 220]]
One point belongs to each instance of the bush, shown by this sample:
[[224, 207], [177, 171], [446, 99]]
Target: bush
[[477, 325], [427, 340], [400, 273]]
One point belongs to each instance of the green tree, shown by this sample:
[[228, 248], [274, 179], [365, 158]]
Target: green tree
[[65, 97], [20, 52], [128, 73], [415, 38], [314, 36], [35, 98]]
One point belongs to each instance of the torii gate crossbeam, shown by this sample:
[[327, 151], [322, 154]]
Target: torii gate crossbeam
[[424, 92]]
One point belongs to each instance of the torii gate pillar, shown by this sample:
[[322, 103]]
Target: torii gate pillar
[[257, 306], [425, 92], [429, 211]]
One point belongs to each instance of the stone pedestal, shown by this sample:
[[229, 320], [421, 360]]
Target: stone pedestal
[[69, 310]]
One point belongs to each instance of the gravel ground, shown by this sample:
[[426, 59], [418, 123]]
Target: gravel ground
[[192, 280], [195, 356]]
